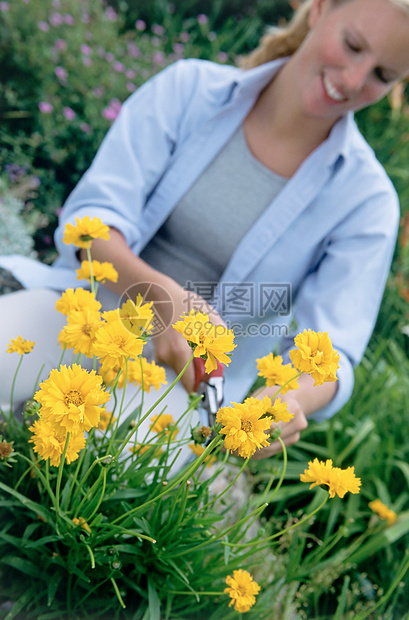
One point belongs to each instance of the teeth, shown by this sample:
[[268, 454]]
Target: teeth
[[332, 91]]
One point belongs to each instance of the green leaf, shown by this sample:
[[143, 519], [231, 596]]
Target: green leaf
[[154, 602], [24, 566], [52, 587], [28, 503]]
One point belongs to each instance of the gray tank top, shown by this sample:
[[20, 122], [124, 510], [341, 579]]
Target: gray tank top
[[197, 240]]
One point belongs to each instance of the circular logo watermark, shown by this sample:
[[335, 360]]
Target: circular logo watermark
[[162, 308]]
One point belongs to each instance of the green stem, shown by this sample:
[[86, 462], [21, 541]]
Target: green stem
[[284, 384], [94, 286], [184, 476], [280, 482], [36, 382], [118, 594], [101, 496], [107, 457], [59, 477], [91, 555], [147, 414], [44, 479], [77, 469], [213, 538], [14, 383], [288, 529]]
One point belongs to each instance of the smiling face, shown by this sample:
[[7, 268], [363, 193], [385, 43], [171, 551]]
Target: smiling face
[[355, 52]]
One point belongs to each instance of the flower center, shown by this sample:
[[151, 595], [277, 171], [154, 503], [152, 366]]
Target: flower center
[[246, 426], [317, 356], [87, 329], [73, 397], [202, 336], [120, 341]]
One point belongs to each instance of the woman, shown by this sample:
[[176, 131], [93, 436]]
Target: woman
[[254, 184]]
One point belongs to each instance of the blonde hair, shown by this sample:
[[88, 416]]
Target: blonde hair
[[280, 42]]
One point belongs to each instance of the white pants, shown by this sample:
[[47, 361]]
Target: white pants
[[32, 315]]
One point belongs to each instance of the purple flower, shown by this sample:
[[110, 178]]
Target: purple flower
[[133, 50], [60, 44], [98, 91], [159, 58], [130, 86], [61, 73], [56, 19], [202, 19], [43, 26], [56, 4], [85, 49], [222, 56], [130, 74], [69, 20], [69, 113], [109, 57], [159, 30], [4, 6], [86, 128], [118, 66], [178, 48], [46, 107], [110, 13], [88, 36], [184, 37], [140, 24], [85, 18], [112, 110], [86, 61]]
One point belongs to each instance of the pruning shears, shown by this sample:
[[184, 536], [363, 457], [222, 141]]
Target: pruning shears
[[210, 387]]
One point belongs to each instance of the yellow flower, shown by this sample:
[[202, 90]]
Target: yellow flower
[[315, 356], [209, 341], [242, 590], [79, 333], [71, 398], [198, 450], [339, 481], [49, 442], [106, 419], [114, 344], [151, 374], [164, 423], [84, 231], [80, 521], [244, 426], [19, 345], [109, 375], [279, 411], [272, 369], [79, 299], [137, 317], [100, 271], [383, 511]]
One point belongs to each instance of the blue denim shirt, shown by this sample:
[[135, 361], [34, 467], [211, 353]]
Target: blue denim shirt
[[319, 254]]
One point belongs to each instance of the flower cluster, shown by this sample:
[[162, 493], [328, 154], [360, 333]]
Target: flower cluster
[[212, 342], [339, 481], [70, 400]]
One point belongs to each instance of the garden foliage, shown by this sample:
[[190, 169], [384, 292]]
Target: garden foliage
[[65, 68]]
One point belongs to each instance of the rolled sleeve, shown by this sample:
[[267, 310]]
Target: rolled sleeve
[[343, 293]]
